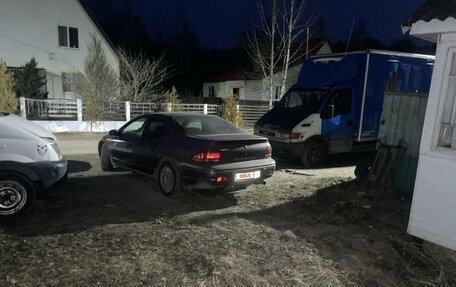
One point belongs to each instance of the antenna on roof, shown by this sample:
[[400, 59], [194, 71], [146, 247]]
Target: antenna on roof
[[349, 37]]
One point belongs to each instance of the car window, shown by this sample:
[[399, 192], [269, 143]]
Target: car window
[[154, 130], [134, 129], [204, 125], [341, 100]]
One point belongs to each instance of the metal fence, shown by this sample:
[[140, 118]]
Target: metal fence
[[250, 114], [70, 110], [51, 109]]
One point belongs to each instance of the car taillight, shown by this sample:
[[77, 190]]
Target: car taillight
[[208, 156], [268, 152]]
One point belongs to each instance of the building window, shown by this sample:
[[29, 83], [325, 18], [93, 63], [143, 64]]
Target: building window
[[68, 37], [211, 91], [277, 92], [71, 82], [447, 135]]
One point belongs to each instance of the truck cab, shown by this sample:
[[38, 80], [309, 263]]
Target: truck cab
[[336, 105]]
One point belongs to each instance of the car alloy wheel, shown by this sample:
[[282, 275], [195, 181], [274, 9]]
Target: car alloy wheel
[[167, 179]]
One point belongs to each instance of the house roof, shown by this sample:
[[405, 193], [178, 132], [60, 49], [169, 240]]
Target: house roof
[[315, 44], [97, 24], [434, 17], [433, 9]]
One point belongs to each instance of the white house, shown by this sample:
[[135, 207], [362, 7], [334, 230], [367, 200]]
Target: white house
[[433, 213], [253, 86], [56, 34]]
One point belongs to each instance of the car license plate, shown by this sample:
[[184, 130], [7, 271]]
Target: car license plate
[[247, 175]]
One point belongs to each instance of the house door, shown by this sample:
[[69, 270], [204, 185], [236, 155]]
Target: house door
[[236, 93]]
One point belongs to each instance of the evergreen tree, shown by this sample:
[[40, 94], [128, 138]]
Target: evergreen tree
[[100, 83], [8, 101], [29, 81]]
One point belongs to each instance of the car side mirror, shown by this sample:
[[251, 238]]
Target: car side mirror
[[113, 133], [328, 112]]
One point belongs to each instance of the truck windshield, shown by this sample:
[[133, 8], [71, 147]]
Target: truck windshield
[[308, 99]]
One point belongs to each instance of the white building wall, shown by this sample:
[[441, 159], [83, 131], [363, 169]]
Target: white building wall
[[433, 213], [29, 28]]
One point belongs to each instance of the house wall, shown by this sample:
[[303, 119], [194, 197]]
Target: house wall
[[29, 28], [224, 89], [433, 212]]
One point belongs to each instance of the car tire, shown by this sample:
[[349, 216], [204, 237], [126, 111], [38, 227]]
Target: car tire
[[106, 164], [314, 154], [169, 179], [363, 167], [17, 195]]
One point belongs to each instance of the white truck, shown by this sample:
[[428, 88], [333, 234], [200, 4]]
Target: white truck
[[30, 162]]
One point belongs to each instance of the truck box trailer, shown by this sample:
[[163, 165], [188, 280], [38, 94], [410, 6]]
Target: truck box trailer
[[336, 105]]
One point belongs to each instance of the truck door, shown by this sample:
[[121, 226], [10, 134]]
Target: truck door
[[338, 120]]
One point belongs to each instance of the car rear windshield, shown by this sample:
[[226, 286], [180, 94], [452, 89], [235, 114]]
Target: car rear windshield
[[205, 125]]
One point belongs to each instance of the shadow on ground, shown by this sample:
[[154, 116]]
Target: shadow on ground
[[78, 166], [87, 202], [332, 161]]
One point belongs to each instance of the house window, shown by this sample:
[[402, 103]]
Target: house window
[[447, 135], [211, 91], [277, 92], [68, 37], [71, 82]]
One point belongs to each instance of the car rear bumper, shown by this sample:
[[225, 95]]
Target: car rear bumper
[[223, 176]]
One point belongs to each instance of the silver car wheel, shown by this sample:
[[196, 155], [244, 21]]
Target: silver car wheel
[[13, 197]]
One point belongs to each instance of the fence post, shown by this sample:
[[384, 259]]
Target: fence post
[[22, 107], [79, 109], [127, 111], [169, 107], [205, 109]]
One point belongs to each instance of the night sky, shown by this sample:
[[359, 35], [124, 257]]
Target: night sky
[[218, 23]]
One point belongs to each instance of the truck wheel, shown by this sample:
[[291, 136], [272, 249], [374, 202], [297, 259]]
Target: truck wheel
[[17, 195], [169, 179], [106, 164], [314, 154]]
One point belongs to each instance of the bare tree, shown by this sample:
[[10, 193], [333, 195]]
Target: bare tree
[[141, 79], [270, 44], [292, 29]]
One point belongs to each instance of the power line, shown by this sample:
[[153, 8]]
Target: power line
[[24, 43]]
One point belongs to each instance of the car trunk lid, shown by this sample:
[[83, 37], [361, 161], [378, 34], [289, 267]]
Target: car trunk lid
[[237, 147]]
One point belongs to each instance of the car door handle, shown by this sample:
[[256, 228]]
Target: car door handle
[[350, 123]]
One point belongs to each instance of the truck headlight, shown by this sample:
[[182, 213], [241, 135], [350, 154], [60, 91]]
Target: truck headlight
[[295, 136]]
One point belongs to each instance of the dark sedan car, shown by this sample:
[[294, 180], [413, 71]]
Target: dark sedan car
[[188, 150]]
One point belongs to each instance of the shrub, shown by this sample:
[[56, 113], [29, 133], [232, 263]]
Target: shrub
[[230, 110], [8, 100], [172, 98]]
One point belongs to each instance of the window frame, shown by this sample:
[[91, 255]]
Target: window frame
[[211, 91], [449, 51], [332, 96], [277, 91], [68, 40]]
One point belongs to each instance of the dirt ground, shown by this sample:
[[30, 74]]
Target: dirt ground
[[303, 228]]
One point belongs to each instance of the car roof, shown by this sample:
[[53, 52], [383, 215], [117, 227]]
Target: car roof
[[177, 114]]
